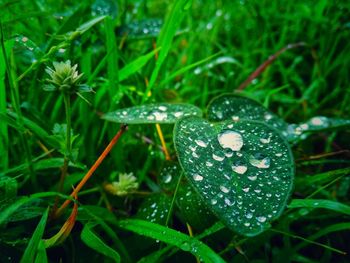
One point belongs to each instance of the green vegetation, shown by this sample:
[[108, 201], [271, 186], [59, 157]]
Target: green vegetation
[[237, 144]]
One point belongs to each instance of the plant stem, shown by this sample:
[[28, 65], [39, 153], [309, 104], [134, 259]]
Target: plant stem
[[92, 169], [64, 168], [173, 200], [161, 137]]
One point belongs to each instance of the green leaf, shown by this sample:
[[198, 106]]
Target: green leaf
[[235, 107], [8, 211], [136, 65], [155, 208], [242, 170], [320, 203], [172, 237], [93, 241], [153, 113], [31, 250], [298, 132], [193, 209]]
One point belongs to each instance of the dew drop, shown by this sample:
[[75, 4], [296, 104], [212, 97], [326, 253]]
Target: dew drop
[[247, 224], [162, 108], [231, 139], [228, 202], [239, 167], [197, 177], [167, 178], [317, 121], [278, 154], [249, 215], [235, 118], [178, 114], [261, 219], [160, 116], [219, 114], [259, 160], [252, 177], [218, 158], [265, 140], [224, 189], [208, 164], [201, 143], [214, 201], [246, 190]]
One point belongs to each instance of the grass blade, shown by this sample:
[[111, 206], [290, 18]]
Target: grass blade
[[171, 237], [165, 38], [31, 250], [93, 241], [320, 203]]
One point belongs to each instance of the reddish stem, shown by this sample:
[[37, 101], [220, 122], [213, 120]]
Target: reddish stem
[[264, 65], [92, 169]]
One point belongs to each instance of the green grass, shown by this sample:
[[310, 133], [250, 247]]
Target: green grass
[[203, 49]]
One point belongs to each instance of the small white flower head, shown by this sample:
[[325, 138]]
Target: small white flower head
[[126, 184]]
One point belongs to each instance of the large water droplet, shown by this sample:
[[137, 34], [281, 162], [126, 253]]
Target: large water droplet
[[218, 157], [231, 139], [239, 167], [259, 160]]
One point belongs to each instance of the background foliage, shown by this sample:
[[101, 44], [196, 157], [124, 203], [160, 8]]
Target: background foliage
[[206, 48]]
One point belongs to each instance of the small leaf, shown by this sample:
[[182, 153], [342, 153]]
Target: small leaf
[[172, 237], [152, 113], [31, 250], [242, 170], [234, 107], [93, 241]]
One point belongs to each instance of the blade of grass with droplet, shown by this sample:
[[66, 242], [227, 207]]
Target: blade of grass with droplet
[[320, 203], [167, 33], [93, 241], [136, 65], [171, 237], [31, 250]]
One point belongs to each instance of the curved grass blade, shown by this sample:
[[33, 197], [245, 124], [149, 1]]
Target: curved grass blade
[[172, 237], [320, 203], [93, 241], [242, 170], [152, 113]]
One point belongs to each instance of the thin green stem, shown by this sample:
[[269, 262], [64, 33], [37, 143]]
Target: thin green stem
[[173, 200]]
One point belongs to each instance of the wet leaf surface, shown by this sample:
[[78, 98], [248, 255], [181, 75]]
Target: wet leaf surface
[[242, 170], [153, 113]]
